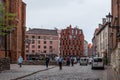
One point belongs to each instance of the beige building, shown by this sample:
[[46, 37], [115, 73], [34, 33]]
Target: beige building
[[103, 42], [41, 42]]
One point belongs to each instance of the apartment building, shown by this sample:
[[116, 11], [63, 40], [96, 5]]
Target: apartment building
[[102, 40], [41, 42], [72, 42], [102, 44]]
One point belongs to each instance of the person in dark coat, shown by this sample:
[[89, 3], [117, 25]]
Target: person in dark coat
[[72, 61], [47, 60]]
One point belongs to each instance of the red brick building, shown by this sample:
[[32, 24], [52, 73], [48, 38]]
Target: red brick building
[[115, 35], [72, 42], [15, 39]]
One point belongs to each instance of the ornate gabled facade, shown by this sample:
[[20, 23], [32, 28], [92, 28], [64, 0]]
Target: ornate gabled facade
[[72, 42]]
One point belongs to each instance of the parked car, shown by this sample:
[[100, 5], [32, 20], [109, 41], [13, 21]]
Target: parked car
[[97, 62], [90, 60], [83, 61]]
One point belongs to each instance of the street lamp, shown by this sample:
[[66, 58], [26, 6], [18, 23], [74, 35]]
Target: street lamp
[[109, 18], [28, 41], [108, 55]]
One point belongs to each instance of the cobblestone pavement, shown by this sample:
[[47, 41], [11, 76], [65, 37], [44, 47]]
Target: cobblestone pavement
[[70, 73], [16, 71]]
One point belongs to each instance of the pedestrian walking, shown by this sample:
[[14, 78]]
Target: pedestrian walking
[[60, 60], [72, 61], [47, 59], [68, 61], [20, 60]]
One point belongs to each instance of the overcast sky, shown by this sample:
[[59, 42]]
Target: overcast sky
[[48, 14]]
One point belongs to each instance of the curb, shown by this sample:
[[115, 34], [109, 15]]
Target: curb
[[32, 73]]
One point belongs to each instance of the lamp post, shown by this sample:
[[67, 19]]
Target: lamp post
[[108, 56], [28, 41]]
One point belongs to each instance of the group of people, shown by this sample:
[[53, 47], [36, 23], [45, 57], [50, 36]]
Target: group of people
[[69, 60], [60, 60]]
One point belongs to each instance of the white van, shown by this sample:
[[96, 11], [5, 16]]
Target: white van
[[97, 62], [83, 61]]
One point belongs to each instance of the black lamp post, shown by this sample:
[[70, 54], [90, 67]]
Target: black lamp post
[[108, 55], [109, 18], [28, 41]]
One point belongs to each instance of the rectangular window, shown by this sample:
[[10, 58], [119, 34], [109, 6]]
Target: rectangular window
[[33, 46], [45, 47], [44, 51], [33, 37], [50, 47], [26, 46], [70, 36], [33, 41], [38, 37], [33, 51], [39, 46], [38, 42], [45, 42], [50, 42], [74, 37]]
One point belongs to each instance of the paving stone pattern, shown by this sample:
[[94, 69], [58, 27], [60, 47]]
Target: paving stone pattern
[[70, 73]]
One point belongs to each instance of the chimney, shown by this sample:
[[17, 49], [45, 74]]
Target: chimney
[[100, 25], [103, 21]]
